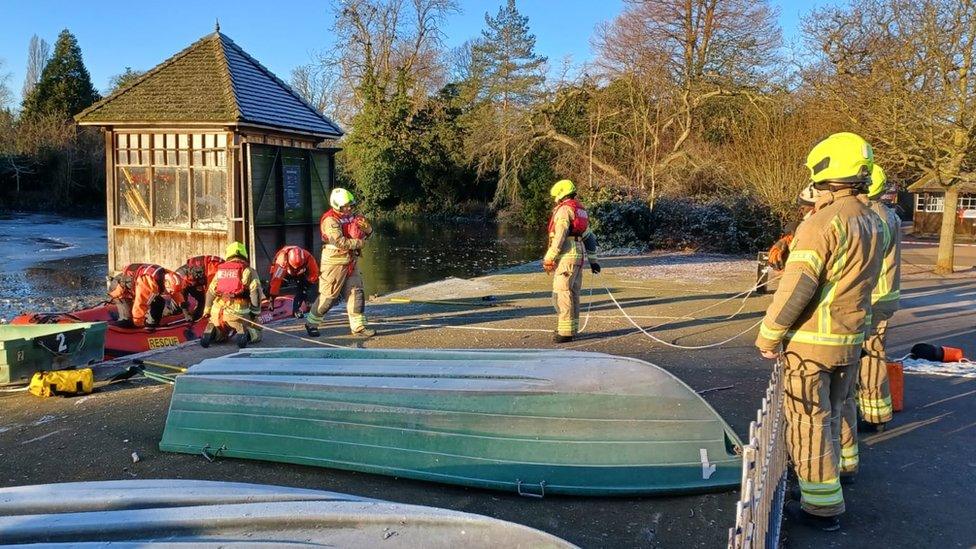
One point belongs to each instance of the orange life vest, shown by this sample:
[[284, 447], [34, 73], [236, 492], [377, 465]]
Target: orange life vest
[[581, 220], [229, 279], [200, 270]]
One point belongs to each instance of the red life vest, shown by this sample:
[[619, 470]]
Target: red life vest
[[133, 271], [580, 222], [350, 229], [200, 270], [229, 279]]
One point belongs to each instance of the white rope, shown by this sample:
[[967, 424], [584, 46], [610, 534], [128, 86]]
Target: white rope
[[475, 328], [669, 344], [308, 339]]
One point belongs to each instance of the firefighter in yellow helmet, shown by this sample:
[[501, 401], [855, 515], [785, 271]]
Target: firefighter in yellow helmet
[[233, 298], [872, 394], [570, 243], [344, 234], [818, 317]]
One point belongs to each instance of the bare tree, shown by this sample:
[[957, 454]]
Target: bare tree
[[903, 73], [321, 84], [38, 53]]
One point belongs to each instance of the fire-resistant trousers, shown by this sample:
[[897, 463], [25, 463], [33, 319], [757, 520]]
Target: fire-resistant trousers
[[567, 282], [227, 315], [336, 282], [873, 392], [814, 399]]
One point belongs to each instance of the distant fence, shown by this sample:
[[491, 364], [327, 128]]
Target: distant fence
[[759, 512]]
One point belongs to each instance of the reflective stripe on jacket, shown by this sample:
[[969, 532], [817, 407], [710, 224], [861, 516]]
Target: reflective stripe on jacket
[[887, 292], [338, 246], [822, 307], [561, 244]]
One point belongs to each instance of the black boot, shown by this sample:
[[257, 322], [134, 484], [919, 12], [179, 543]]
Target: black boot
[[242, 339], [365, 333], [312, 330], [796, 513], [868, 427], [207, 338], [556, 338]]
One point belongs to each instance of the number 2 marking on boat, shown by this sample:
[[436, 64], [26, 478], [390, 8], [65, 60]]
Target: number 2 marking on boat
[[62, 346], [707, 468]]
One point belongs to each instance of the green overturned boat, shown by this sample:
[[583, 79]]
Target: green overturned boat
[[534, 422]]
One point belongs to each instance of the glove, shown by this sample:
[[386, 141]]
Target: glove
[[549, 266], [595, 267], [364, 226], [778, 254]]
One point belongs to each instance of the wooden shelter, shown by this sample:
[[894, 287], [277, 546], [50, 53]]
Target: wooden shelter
[[207, 148], [930, 203]]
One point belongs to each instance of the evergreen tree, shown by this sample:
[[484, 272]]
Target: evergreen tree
[[508, 75], [65, 87]]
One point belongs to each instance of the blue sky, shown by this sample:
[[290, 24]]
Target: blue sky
[[114, 34]]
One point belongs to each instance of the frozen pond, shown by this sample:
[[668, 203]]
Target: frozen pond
[[52, 263]]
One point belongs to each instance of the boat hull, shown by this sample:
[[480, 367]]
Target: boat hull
[[533, 422], [121, 341], [136, 513]]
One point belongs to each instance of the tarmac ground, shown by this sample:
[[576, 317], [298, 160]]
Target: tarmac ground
[[915, 488]]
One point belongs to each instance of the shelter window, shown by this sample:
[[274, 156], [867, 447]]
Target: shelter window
[[176, 180], [967, 201], [929, 202]]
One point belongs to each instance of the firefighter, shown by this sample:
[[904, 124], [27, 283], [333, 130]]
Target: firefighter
[[818, 318], [780, 249], [570, 243], [233, 300], [139, 293], [873, 394], [295, 264], [343, 235], [198, 272]]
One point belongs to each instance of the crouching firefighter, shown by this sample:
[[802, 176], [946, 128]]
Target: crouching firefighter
[[295, 265], [570, 243], [140, 294], [343, 235], [818, 315], [198, 272], [233, 301]]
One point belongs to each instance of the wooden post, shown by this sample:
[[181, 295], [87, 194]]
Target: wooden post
[[110, 219]]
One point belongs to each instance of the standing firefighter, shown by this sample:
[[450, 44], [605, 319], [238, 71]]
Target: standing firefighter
[[140, 292], [819, 315], [295, 264], [343, 235], [233, 300], [198, 272], [873, 393], [570, 242]]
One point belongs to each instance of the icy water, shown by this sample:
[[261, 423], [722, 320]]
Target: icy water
[[51, 263]]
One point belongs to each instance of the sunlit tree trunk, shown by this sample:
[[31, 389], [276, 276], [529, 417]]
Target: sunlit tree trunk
[[947, 236]]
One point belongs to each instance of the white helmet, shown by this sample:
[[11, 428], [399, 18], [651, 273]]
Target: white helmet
[[341, 197]]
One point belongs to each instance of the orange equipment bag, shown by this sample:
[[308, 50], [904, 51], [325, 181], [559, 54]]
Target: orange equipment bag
[[896, 383]]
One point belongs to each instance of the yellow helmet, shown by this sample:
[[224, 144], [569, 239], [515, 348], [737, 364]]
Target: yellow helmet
[[236, 248], [878, 180], [341, 197], [562, 189], [841, 158]]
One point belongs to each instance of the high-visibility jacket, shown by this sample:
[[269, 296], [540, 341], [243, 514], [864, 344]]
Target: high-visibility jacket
[[822, 306], [148, 287], [887, 292], [125, 280], [199, 271], [562, 243], [281, 269], [248, 301], [342, 237]]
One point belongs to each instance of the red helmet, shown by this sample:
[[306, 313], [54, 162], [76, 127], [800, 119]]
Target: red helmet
[[296, 259], [173, 282]]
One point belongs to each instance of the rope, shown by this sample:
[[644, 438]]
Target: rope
[[286, 334], [476, 328], [669, 344]]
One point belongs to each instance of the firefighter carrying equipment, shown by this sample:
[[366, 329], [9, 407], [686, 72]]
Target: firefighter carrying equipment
[[842, 158], [878, 181], [343, 237], [62, 382], [561, 189], [570, 242], [339, 198]]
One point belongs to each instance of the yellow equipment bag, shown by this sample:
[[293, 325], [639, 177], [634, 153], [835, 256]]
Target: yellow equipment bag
[[62, 382]]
